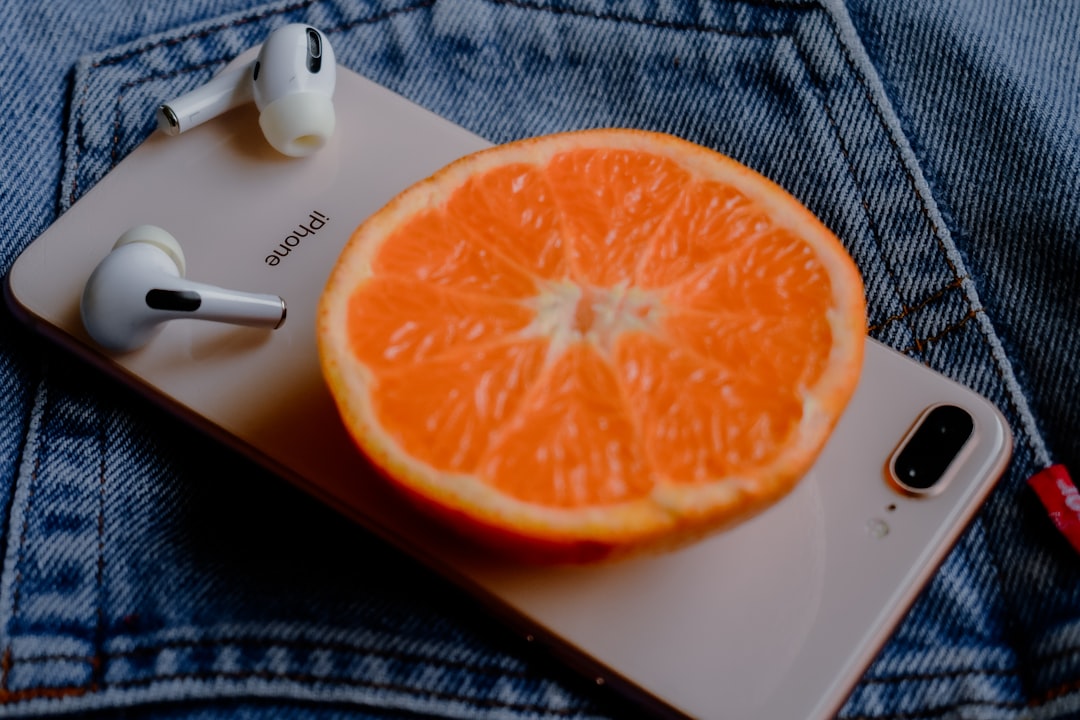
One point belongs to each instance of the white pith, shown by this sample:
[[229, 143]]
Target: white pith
[[560, 306]]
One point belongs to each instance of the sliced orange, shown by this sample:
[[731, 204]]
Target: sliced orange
[[580, 345]]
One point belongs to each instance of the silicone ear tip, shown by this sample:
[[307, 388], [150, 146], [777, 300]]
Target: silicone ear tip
[[299, 124], [158, 237]]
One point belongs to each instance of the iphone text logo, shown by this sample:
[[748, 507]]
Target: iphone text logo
[[315, 222]]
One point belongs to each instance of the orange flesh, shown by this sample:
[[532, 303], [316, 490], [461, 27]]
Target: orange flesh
[[576, 334]]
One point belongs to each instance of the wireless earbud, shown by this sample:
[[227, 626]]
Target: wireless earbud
[[292, 84], [140, 285]]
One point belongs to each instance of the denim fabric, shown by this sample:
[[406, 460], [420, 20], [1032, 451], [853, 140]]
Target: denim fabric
[[148, 572]]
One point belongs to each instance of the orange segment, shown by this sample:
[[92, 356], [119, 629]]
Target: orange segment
[[708, 220], [776, 275], [573, 442], [612, 203], [445, 412], [432, 248], [789, 349], [593, 343], [511, 210], [701, 420], [391, 323]]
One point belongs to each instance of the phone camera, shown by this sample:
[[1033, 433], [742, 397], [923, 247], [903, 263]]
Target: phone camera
[[920, 464]]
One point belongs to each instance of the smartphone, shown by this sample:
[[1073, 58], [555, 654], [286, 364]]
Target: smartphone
[[776, 618]]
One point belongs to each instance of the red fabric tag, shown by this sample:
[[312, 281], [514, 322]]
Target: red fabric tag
[[1062, 500]]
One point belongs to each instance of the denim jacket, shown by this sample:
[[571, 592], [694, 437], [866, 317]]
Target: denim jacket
[[146, 571]]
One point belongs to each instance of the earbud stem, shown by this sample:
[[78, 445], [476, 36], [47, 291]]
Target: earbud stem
[[186, 299], [226, 91]]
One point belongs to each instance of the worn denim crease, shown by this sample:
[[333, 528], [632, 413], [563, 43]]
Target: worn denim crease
[[102, 489]]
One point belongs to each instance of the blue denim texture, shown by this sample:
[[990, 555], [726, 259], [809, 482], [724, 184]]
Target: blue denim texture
[[147, 572]]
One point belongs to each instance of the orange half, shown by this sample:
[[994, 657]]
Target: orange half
[[585, 344]]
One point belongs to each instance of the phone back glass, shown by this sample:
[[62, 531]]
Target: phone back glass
[[775, 619]]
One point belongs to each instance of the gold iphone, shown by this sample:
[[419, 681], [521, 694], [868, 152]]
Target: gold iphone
[[776, 618]]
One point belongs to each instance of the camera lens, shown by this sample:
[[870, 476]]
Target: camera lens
[[926, 455]]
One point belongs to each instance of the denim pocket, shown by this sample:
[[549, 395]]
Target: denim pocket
[[131, 576]]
